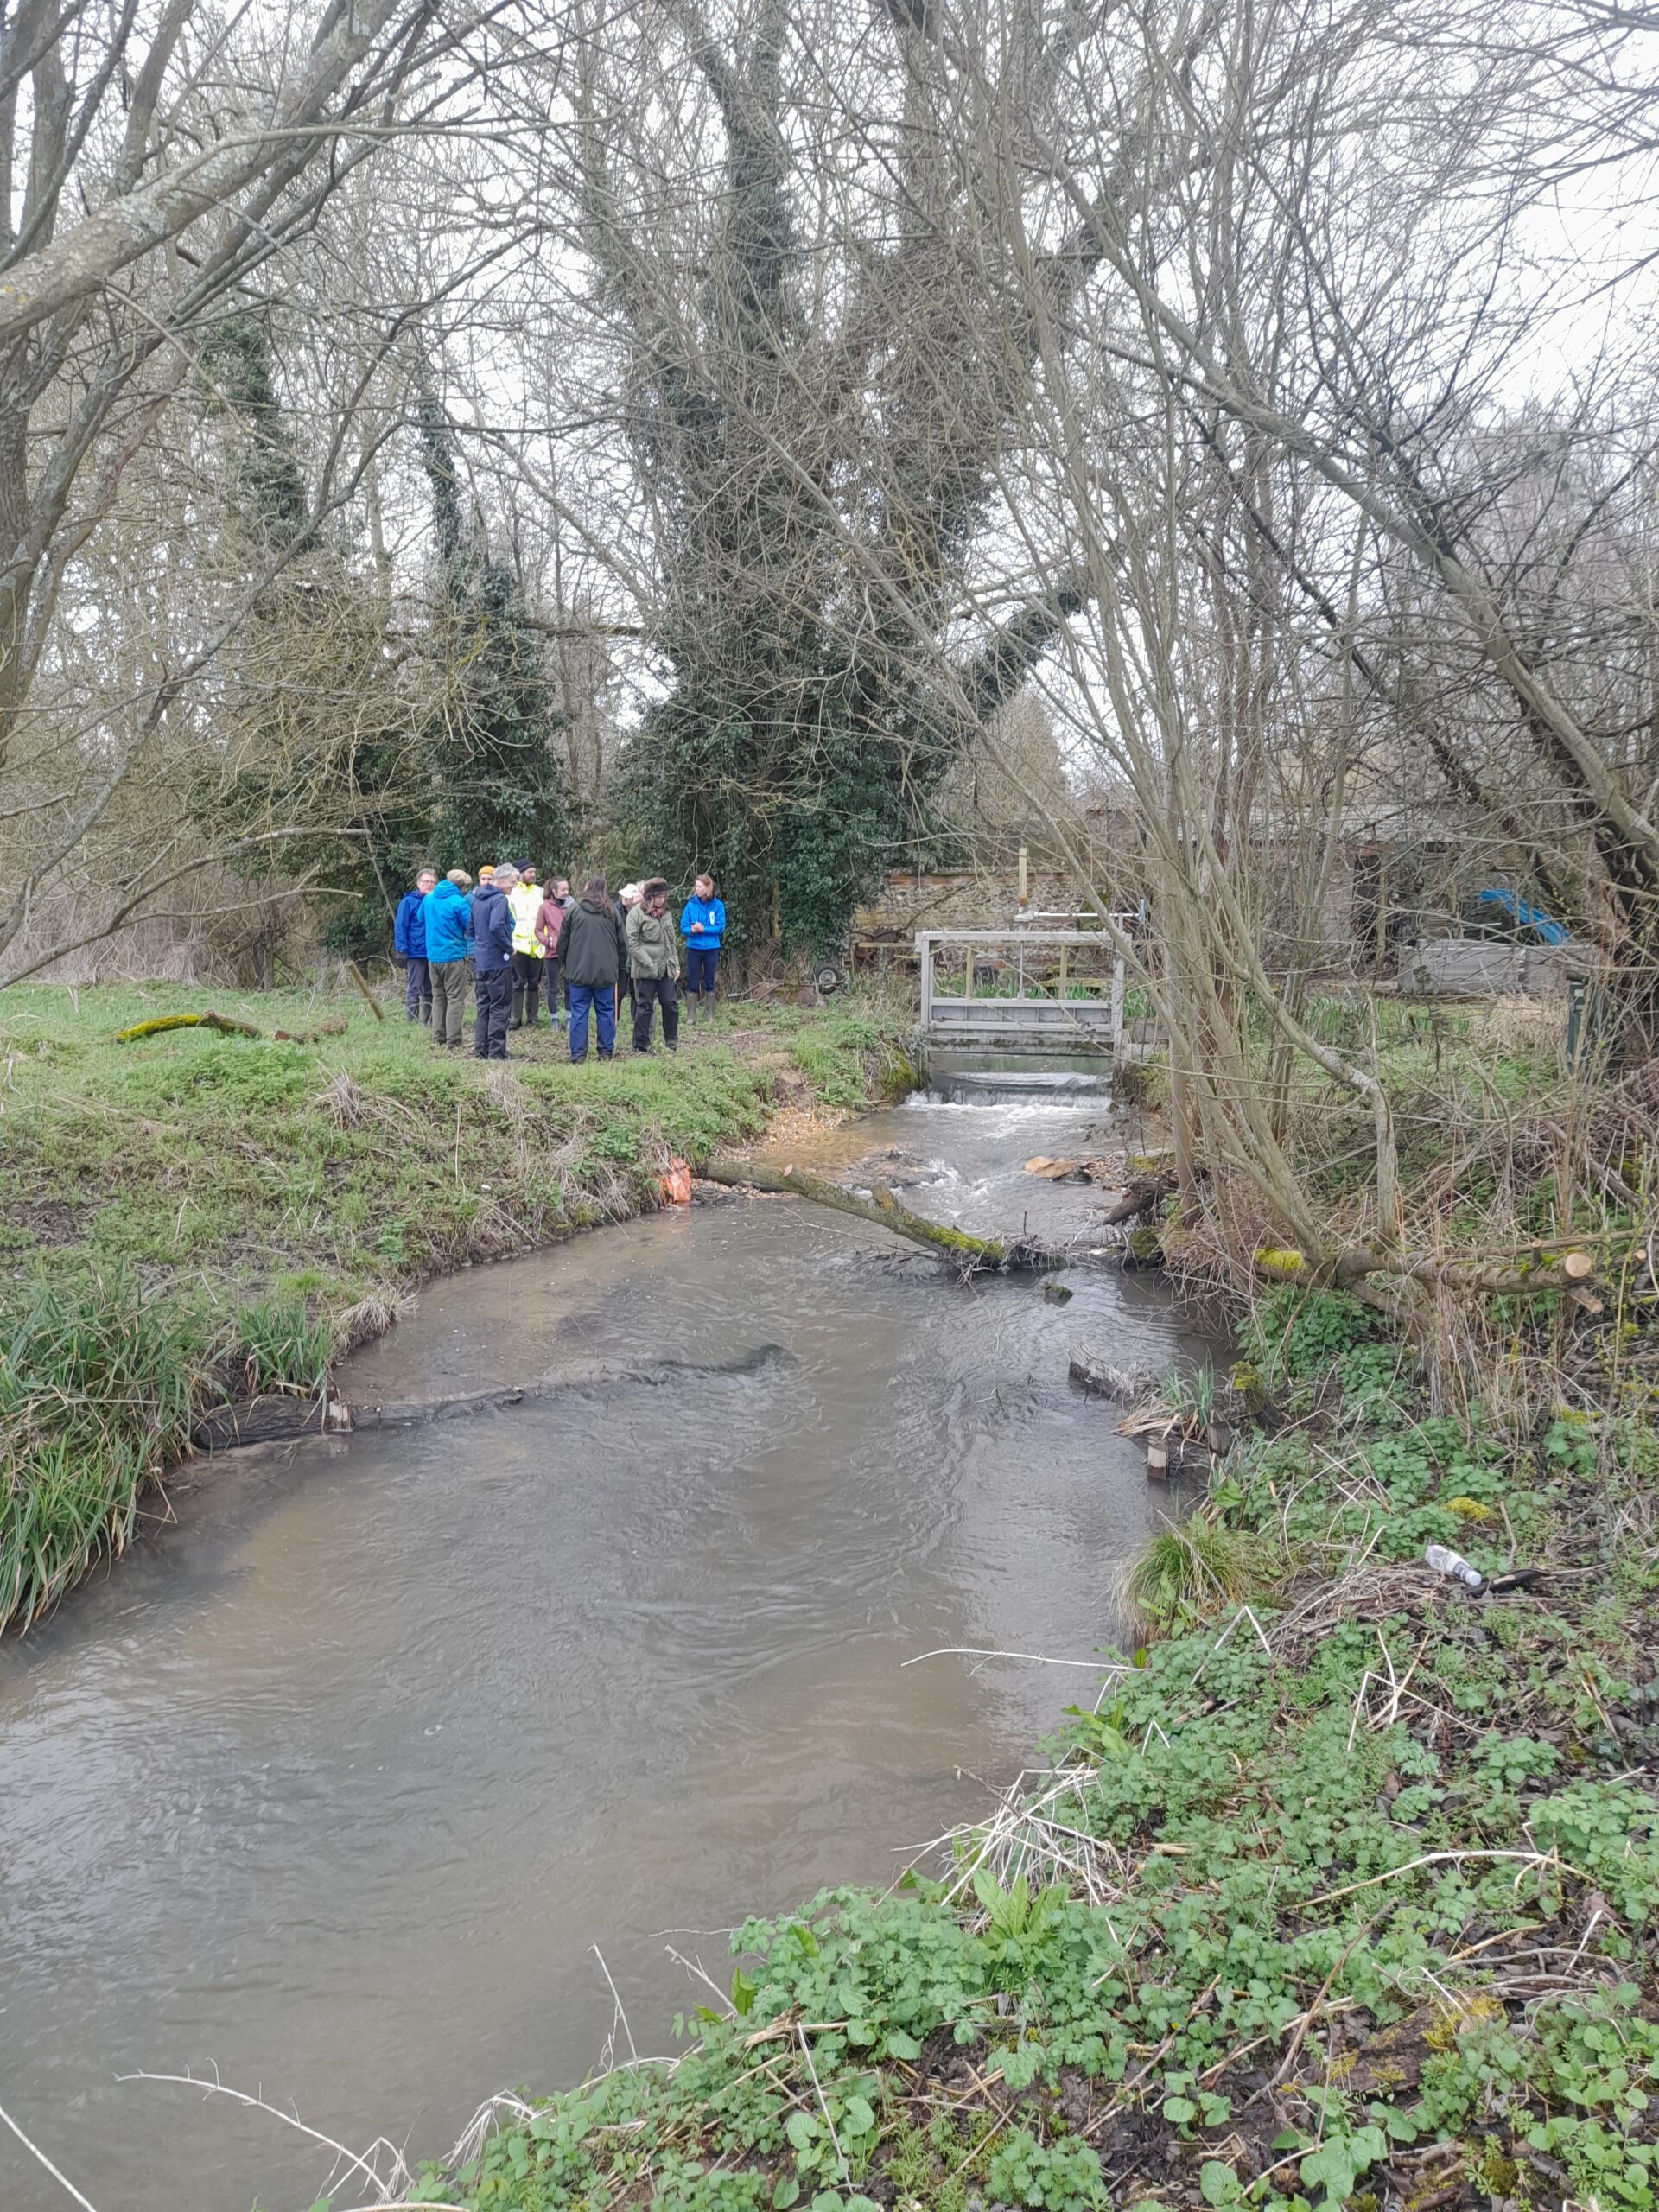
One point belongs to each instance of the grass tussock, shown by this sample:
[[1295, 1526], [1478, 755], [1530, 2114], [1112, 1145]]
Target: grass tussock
[[1524, 1024], [282, 1344], [1196, 1568], [96, 1383]]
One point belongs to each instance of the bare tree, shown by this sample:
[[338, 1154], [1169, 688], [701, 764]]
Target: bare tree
[[153, 167]]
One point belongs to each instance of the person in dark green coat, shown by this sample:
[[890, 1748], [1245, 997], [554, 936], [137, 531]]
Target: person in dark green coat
[[654, 962]]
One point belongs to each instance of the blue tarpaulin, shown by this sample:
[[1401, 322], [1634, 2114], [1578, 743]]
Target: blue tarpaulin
[[1527, 917]]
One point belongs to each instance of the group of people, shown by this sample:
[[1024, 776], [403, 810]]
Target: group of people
[[509, 939]]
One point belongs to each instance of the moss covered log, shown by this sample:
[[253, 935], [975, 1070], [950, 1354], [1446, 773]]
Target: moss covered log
[[882, 1211], [160, 1024]]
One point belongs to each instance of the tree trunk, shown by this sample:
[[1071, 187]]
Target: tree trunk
[[971, 1254]]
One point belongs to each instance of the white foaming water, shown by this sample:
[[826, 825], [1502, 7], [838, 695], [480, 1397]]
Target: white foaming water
[[1009, 1111]]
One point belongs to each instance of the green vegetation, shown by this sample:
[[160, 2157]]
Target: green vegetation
[[96, 1388], [1344, 1894], [838, 1053], [197, 1215], [1185, 1570]]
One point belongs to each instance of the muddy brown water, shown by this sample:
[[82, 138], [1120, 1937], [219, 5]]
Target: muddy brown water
[[337, 1788]]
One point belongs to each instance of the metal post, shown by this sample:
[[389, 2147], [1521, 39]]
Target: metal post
[[925, 954], [1118, 1009], [1024, 895]]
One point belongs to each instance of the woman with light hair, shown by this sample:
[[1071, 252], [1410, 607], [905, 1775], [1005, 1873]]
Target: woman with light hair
[[627, 900]]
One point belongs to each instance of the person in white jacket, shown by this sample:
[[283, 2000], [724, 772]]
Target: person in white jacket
[[525, 901]]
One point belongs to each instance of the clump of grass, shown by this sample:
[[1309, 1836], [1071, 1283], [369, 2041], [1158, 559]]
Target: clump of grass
[[282, 1345], [845, 1055], [1188, 1571], [1523, 1022], [96, 1382], [370, 1317], [1190, 1395]]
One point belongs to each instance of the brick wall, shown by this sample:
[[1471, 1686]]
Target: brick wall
[[967, 902]]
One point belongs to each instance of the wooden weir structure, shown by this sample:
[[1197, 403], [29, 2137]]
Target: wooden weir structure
[[1024, 989]]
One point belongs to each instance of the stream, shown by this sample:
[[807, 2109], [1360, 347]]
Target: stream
[[344, 1785]]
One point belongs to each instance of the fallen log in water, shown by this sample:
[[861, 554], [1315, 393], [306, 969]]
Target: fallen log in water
[[279, 1418], [275, 1418], [1124, 1380], [971, 1254]]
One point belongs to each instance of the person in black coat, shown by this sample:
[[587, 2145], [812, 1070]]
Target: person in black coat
[[593, 957], [493, 965]]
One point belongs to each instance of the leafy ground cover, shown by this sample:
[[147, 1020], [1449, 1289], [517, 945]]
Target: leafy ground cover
[[198, 1214], [1342, 1892]]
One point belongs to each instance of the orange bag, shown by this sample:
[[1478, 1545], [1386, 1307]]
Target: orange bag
[[676, 1185]]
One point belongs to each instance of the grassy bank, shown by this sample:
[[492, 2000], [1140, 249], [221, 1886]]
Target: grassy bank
[[196, 1215], [1343, 1894]]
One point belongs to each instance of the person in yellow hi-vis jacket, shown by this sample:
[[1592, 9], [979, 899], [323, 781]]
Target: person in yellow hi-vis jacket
[[525, 901]]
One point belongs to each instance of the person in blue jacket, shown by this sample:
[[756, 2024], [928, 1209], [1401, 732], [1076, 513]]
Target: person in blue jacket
[[447, 920], [409, 942], [492, 936], [702, 925]]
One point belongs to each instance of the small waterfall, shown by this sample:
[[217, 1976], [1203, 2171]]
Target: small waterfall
[[1002, 1078]]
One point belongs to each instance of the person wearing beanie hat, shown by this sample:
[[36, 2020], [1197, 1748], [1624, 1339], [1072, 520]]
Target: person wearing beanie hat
[[486, 877], [525, 901], [654, 963]]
